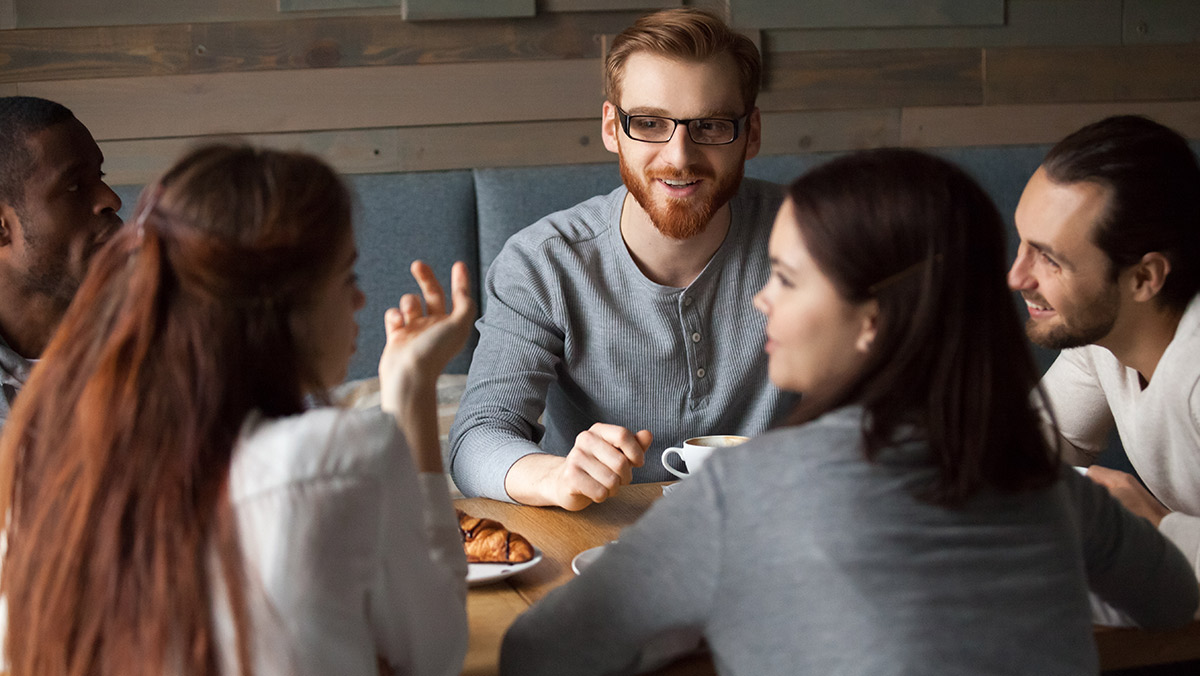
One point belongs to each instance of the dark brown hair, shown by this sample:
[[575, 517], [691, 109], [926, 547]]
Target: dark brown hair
[[921, 238], [21, 117], [687, 34], [1153, 184], [114, 464]]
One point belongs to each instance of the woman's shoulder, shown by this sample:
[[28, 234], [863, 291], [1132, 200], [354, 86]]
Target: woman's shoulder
[[325, 443]]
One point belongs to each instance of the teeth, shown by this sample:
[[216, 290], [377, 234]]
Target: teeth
[[1035, 306], [677, 184]]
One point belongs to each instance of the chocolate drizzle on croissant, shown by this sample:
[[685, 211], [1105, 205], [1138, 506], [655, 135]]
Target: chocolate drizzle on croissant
[[488, 541]]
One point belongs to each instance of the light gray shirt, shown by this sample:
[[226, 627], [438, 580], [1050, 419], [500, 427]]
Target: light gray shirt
[[793, 555], [574, 330], [14, 371]]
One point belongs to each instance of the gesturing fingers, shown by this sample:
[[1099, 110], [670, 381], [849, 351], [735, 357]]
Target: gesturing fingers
[[431, 289]]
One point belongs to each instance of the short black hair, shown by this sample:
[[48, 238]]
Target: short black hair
[[21, 116], [1153, 181]]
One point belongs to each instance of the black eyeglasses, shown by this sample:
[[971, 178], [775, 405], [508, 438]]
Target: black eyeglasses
[[709, 131]]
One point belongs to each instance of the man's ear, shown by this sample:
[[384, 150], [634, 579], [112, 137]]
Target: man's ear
[[870, 326], [608, 126], [7, 220], [753, 134], [1149, 275]]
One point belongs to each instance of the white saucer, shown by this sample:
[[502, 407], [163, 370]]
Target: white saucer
[[586, 558], [483, 573]]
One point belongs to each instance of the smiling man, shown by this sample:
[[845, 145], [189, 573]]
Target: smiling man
[[625, 324], [55, 211], [1109, 266]]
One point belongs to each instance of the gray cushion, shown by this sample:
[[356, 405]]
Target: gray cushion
[[400, 218], [510, 199]]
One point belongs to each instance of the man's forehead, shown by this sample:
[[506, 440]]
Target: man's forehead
[[657, 84], [62, 146], [1061, 218]]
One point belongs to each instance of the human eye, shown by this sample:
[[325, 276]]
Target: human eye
[[713, 129], [784, 280], [646, 123], [1048, 260]]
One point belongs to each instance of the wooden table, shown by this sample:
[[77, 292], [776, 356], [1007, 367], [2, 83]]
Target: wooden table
[[561, 535]]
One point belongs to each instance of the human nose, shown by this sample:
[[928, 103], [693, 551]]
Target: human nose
[[760, 300], [1019, 277], [107, 200], [680, 149]]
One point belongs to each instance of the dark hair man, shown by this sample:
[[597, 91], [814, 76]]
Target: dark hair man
[[55, 211], [627, 320], [1109, 266]]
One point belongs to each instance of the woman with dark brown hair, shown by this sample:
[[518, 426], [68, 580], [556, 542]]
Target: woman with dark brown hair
[[911, 520], [176, 504]]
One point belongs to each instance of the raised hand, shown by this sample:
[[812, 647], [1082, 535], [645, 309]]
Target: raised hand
[[421, 340]]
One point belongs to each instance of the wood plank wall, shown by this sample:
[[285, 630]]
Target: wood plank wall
[[374, 93]]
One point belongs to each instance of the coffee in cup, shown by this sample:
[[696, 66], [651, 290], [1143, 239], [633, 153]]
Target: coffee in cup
[[696, 450]]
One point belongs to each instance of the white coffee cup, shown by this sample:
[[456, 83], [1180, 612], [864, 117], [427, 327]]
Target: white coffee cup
[[696, 450]]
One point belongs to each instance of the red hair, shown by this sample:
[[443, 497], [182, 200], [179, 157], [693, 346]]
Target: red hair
[[114, 463]]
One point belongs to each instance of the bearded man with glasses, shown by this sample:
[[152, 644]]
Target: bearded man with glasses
[[624, 325]]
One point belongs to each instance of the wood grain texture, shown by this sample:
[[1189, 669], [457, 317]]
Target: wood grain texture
[[360, 151], [1085, 74], [490, 611], [601, 5], [8, 14], [323, 99], [1030, 124], [1161, 21], [66, 53], [872, 78], [823, 130], [1029, 22], [239, 46], [859, 13]]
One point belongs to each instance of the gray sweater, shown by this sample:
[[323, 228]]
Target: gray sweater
[[574, 330], [792, 555]]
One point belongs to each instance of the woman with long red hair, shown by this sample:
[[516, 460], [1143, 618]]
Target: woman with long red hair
[[177, 500]]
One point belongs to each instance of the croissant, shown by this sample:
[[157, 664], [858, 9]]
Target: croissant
[[488, 541]]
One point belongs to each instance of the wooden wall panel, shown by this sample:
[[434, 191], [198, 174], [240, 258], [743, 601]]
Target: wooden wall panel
[[335, 98], [861, 13], [1085, 74], [603, 5], [501, 145], [391, 41], [360, 151], [828, 130], [8, 14], [1029, 22], [129, 51], [1031, 124], [1161, 21], [872, 78], [56, 54]]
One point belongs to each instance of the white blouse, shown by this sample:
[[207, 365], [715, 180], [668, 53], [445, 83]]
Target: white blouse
[[351, 554]]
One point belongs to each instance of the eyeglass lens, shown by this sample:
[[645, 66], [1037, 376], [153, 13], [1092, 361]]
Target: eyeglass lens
[[660, 129]]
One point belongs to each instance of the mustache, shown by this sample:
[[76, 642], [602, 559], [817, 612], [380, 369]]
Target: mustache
[[688, 175]]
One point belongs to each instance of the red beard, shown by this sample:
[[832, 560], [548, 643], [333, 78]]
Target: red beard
[[682, 218]]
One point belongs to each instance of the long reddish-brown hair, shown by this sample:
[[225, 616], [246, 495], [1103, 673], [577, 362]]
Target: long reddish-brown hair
[[114, 463]]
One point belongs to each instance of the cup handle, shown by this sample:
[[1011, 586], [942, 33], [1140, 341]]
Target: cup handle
[[669, 468]]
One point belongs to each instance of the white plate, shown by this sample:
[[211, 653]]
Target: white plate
[[586, 558], [483, 573]]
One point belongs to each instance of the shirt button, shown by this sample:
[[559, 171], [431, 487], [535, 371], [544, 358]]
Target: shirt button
[[696, 337], [700, 372], [687, 301]]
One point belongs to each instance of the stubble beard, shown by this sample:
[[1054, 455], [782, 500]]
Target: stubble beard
[[681, 219], [1088, 328]]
